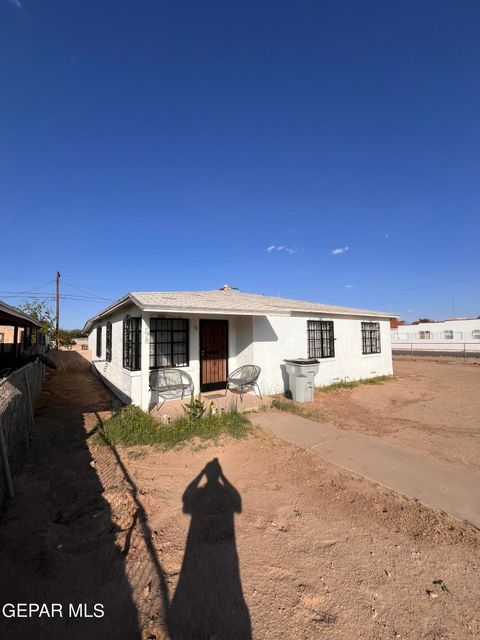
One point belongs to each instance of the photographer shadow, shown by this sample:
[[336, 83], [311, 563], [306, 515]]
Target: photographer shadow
[[208, 601]]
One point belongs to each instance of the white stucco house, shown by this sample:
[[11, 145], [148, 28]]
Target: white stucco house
[[211, 333]]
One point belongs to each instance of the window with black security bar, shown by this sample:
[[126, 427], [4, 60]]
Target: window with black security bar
[[99, 342], [131, 343], [371, 337], [108, 342], [168, 343], [321, 341]]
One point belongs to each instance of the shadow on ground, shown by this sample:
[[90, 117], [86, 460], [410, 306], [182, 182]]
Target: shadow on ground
[[208, 601], [57, 536], [77, 533]]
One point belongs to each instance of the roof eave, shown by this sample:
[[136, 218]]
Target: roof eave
[[267, 312], [115, 305], [17, 313]]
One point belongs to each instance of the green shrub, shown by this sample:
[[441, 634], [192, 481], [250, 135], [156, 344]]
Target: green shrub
[[195, 408], [131, 426]]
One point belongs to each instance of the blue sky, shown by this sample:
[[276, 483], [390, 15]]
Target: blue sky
[[168, 145]]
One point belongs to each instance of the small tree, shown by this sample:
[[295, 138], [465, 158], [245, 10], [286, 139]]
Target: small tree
[[65, 338], [42, 313]]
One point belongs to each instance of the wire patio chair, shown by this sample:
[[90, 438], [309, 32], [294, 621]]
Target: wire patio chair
[[244, 379], [170, 384]]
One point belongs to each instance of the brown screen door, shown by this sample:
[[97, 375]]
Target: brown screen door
[[213, 354]]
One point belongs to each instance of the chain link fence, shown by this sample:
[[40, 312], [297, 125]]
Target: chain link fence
[[19, 393]]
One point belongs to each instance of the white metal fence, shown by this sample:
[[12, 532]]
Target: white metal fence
[[19, 393], [458, 349], [447, 336]]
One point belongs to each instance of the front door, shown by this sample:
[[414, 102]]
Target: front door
[[213, 354]]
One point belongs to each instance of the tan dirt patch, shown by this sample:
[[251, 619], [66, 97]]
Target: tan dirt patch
[[429, 407], [312, 551]]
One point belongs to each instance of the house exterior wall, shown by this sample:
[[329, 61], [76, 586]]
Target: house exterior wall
[[133, 386], [237, 327], [243, 328], [277, 338], [124, 383], [433, 336], [262, 340]]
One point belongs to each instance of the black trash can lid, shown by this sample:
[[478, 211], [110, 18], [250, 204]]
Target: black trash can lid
[[306, 361]]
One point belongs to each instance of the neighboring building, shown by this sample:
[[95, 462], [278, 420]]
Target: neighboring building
[[81, 344], [19, 336], [210, 333], [445, 335]]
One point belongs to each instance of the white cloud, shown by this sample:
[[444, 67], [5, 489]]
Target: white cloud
[[282, 247], [17, 3], [349, 286], [335, 252]]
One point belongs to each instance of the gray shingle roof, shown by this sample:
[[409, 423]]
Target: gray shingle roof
[[230, 302], [236, 301]]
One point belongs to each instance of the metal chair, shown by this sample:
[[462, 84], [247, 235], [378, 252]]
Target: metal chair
[[170, 384], [244, 379]]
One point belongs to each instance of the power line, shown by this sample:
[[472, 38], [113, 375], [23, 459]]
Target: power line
[[31, 293], [88, 293], [42, 285], [52, 296], [21, 294]]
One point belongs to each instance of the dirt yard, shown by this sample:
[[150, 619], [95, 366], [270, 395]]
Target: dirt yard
[[268, 543], [431, 407]]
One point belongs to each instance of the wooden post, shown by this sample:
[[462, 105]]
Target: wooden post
[[15, 345], [465, 352], [411, 349], [57, 315]]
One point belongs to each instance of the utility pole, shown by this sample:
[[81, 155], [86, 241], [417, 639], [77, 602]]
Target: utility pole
[[57, 316]]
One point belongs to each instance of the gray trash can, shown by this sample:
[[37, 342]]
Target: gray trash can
[[301, 378]]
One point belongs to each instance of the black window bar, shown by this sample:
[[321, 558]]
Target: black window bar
[[99, 342], [371, 337], [131, 343], [321, 340], [108, 342], [169, 342]]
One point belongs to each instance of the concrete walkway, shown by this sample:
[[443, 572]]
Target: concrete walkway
[[441, 485]]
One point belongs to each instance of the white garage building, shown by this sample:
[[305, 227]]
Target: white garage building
[[211, 333]]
